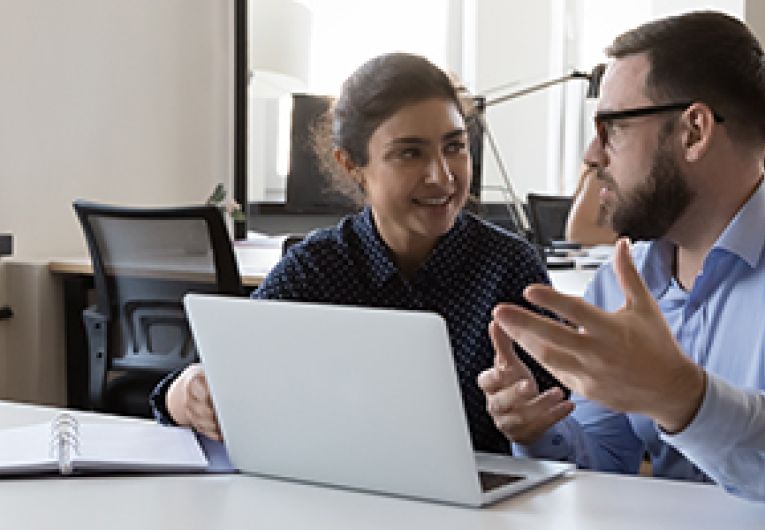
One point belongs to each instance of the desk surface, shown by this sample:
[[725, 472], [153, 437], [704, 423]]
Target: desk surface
[[254, 264], [592, 501]]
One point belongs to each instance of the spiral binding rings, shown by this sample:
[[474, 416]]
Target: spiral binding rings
[[65, 441]]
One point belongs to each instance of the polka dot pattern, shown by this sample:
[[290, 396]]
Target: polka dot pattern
[[473, 267]]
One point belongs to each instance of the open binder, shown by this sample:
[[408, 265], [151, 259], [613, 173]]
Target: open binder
[[67, 446]]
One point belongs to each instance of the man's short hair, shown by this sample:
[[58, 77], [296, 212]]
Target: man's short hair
[[703, 56]]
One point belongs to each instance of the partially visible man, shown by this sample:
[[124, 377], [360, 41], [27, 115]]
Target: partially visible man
[[670, 356]]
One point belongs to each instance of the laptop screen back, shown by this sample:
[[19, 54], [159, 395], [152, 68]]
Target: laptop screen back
[[348, 396]]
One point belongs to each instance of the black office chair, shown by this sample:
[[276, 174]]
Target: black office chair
[[547, 216], [144, 261]]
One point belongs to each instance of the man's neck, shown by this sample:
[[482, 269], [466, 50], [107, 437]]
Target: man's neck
[[696, 236]]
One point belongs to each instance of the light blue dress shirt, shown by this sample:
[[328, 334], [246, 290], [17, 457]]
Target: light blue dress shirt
[[720, 324]]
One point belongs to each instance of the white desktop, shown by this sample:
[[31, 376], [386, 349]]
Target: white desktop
[[592, 501]]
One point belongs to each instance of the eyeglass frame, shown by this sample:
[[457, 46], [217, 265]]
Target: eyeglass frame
[[604, 116]]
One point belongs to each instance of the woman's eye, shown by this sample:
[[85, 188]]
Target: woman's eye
[[409, 153], [455, 147]]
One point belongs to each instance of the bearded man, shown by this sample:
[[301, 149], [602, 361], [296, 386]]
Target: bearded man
[[666, 353]]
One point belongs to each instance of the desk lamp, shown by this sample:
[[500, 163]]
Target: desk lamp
[[513, 202]]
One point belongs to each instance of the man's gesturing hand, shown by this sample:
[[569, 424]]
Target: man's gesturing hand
[[512, 396]]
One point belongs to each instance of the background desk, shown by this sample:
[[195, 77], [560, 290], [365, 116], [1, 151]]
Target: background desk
[[254, 264], [592, 501]]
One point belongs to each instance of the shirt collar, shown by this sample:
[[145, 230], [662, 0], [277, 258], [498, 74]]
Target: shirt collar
[[738, 239], [382, 267]]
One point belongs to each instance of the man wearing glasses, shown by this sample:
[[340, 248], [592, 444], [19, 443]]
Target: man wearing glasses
[[667, 353]]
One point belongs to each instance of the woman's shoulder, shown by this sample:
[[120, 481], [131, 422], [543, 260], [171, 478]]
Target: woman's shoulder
[[504, 253], [324, 243], [494, 238]]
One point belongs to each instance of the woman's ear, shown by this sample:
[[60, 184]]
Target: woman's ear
[[344, 160]]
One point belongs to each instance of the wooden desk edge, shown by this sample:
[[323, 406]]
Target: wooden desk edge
[[83, 267]]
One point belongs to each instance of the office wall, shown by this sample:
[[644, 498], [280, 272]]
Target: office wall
[[518, 43], [513, 47], [126, 101], [754, 14], [123, 101]]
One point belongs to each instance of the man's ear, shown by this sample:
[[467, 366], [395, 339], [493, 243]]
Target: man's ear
[[343, 159], [699, 129]]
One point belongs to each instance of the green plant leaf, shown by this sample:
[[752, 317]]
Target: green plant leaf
[[218, 195]]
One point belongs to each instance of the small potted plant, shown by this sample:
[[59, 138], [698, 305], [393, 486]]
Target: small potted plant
[[226, 205]]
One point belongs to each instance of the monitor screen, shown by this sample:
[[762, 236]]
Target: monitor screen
[[309, 191]]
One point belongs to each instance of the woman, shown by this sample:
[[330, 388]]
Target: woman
[[397, 140]]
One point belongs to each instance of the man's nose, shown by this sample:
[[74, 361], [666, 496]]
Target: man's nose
[[595, 155]]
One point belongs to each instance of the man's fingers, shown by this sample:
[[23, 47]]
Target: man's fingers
[[574, 309], [543, 338], [490, 381], [504, 350], [526, 423], [511, 397], [636, 293]]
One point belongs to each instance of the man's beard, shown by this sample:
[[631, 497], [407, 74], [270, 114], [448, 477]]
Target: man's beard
[[653, 207]]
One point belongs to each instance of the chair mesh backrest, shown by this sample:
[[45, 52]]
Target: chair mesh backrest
[[143, 267], [548, 217], [142, 246]]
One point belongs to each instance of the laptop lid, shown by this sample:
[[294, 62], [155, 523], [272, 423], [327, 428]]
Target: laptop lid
[[347, 396]]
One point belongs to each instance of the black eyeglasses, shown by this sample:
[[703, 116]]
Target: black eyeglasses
[[604, 118]]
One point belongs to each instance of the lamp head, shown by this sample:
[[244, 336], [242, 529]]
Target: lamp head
[[595, 77]]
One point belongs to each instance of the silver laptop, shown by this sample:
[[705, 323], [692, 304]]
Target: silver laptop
[[346, 396]]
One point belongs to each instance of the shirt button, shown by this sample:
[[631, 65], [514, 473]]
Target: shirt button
[[557, 439]]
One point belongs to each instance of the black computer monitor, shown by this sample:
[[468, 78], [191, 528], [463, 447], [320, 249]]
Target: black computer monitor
[[309, 191]]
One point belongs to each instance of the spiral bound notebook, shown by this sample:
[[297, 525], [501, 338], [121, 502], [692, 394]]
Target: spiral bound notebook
[[68, 446]]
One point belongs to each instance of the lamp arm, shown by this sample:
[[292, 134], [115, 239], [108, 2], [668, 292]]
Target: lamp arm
[[536, 87], [516, 212], [515, 205]]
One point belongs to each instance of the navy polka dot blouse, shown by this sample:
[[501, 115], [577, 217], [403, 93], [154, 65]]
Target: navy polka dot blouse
[[473, 267]]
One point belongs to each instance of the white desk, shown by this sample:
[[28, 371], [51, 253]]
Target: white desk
[[585, 501], [571, 281], [254, 264]]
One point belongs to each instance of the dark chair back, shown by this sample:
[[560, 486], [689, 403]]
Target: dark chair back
[[144, 261], [547, 216]]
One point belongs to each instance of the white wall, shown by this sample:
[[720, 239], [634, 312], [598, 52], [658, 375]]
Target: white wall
[[126, 101], [522, 42], [513, 45], [754, 14], [122, 101]]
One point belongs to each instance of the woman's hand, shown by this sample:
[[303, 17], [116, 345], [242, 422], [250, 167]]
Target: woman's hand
[[189, 403]]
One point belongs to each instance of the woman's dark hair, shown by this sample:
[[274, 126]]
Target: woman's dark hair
[[703, 56], [372, 94]]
